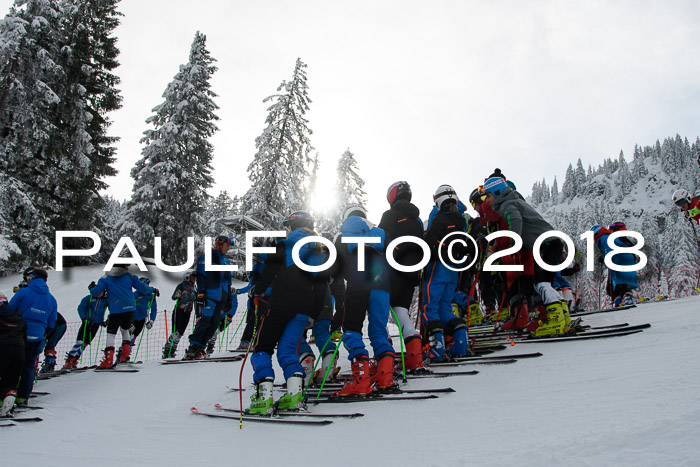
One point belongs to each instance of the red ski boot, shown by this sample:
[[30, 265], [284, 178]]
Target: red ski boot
[[360, 383], [385, 370], [126, 350], [71, 362], [413, 358], [108, 361]]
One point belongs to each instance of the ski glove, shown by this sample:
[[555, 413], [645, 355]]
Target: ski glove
[[149, 324], [201, 300], [177, 294], [156, 292]]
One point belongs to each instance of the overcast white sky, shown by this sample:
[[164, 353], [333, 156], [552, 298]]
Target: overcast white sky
[[427, 92]]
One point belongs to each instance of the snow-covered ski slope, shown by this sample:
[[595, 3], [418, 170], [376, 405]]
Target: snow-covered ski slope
[[632, 400]]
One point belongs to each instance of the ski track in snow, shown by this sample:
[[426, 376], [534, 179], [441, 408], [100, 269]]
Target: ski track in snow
[[630, 400]]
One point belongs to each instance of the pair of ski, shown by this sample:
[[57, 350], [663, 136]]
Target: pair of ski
[[10, 421], [603, 310], [126, 367], [613, 331], [227, 358]]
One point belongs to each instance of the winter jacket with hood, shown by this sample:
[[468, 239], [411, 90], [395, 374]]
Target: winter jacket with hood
[[119, 284], [521, 217], [38, 308]]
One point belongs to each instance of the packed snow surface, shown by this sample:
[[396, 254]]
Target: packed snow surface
[[630, 400]]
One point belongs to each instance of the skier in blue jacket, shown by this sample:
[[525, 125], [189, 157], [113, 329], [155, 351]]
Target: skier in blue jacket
[[39, 309], [213, 297], [119, 284], [91, 311], [620, 283]]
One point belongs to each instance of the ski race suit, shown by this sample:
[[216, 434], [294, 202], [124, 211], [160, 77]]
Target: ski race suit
[[290, 304], [367, 291], [619, 282], [440, 284], [39, 310], [216, 287], [144, 303]]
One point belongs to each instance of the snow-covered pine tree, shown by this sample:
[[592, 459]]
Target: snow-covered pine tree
[[31, 159], [569, 186], [278, 173], [555, 191], [624, 179], [174, 172], [348, 185]]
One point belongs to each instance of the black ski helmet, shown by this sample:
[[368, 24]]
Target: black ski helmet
[[397, 191], [299, 220]]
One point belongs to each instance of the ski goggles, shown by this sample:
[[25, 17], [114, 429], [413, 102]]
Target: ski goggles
[[222, 240], [681, 202]]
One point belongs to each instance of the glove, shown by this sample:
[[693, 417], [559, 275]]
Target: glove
[[234, 291], [201, 300], [228, 319], [156, 292], [149, 324], [177, 294]]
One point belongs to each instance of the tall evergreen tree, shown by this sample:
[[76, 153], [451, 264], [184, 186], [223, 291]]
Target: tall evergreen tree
[[348, 185], [278, 173], [174, 172]]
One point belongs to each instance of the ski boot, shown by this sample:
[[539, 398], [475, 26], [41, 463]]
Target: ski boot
[[169, 350], [294, 399], [413, 357], [49, 364], [8, 403], [436, 338], [460, 343], [617, 302], [475, 316], [307, 363], [554, 325], [262, 403], [108, 361], [627, 299], [71, 362], [125, 353], [385, 370], [211, 345], [243, 346], [328, 361], [194, 352], [360, 383]]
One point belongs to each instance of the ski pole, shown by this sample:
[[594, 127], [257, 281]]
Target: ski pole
[[97, 349], [245, 358], [403, 357], [138, 346], [239, 326], [313, 371]]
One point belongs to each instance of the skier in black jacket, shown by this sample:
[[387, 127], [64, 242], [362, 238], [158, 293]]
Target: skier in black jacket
[[399, 221]]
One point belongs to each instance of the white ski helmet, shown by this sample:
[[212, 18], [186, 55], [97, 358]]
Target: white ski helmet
[[444, 193], [354, 209], [681, 196], [186, 275]]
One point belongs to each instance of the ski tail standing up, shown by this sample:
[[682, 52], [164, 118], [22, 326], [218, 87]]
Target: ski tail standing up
[[39, 310], [440, 281], [524, 221], [290, 311], [119, 284], [620, 283], [213, 296], [91, 311], [184, 295], [13, 333], [401, 220]]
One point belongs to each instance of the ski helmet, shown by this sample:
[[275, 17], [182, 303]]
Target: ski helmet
[[222, 240], [187, 274], [91, 285], [299, 220], [354, 209], [615, 226], [476, 197], [397, 191], [444, 194], [32, 273], [495, 185], [145, 280], [681, 197]]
